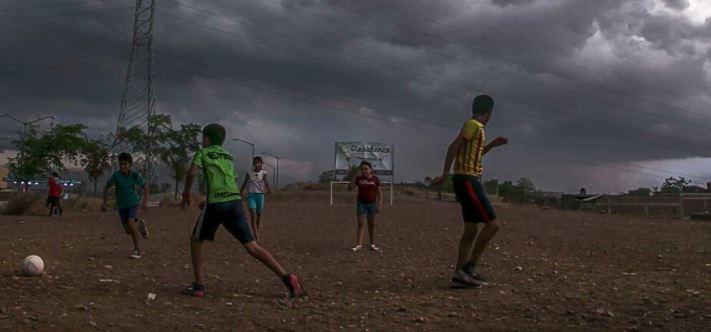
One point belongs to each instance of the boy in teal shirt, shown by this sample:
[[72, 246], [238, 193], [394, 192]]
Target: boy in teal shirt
[[127, 200], [224, 207]]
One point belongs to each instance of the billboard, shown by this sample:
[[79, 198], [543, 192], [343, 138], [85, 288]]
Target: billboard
[[381, 155]]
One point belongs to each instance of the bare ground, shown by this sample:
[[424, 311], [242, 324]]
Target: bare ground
[[550, 271]]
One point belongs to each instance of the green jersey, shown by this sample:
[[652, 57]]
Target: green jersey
[[125, 184], [218, 167]]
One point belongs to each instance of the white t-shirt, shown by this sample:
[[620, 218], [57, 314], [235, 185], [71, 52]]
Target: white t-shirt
[[255, 183]]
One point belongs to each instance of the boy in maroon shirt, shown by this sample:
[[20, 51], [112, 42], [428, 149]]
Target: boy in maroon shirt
[[370, 199], [54, 196]]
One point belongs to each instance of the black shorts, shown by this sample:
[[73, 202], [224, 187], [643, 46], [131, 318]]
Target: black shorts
[[229, 214], [52, 201], [476, 206]]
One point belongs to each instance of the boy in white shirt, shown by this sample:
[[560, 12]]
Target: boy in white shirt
[[257, 186]]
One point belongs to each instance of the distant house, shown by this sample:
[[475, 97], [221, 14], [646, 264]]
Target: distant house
[[4, 172], [642, 192], [695, 190]]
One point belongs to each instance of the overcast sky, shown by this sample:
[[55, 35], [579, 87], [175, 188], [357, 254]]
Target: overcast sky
[[606, 94]]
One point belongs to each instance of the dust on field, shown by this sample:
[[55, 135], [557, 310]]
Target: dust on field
[[550, 270]]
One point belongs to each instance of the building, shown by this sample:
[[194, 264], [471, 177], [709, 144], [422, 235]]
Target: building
[[4, 172]]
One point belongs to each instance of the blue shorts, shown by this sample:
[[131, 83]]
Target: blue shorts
[[255, 201], [130, 212], [366, 208]]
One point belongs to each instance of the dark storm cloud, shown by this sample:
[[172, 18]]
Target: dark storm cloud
[[676, 4], [504, 3], [587, 77]]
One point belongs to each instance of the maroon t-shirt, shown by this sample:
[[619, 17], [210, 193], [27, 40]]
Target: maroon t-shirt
[[367, 188], [55, 189]]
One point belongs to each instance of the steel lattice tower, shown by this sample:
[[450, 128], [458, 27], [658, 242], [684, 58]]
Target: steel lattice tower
[[138, 98], [138, 102]]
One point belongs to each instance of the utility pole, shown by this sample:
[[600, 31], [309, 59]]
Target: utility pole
[[276, 185], [248, 143]]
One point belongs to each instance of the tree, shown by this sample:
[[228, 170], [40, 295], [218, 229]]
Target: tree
[[41, 152], [674, 185], [180, 144], [147, 142], [523, 191], [491, 186], [507, 189], [96, 159], [325, 177], [352, 173]]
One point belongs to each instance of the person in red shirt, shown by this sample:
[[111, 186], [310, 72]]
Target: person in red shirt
[[370, 199], [54, 197]]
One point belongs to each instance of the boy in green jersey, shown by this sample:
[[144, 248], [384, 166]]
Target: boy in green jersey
[[223, 207]]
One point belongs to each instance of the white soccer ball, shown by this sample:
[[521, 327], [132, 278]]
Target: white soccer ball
[[32, 265]]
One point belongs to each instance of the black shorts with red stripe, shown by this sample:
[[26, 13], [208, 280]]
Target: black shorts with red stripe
[[470, 193]]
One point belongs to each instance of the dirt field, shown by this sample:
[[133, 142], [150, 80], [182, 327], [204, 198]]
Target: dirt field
[[550, 271]]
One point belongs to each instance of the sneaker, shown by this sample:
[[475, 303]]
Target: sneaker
[[357, 248], [292, 283], [470, 269], [142, 228], [461, 279], [374, 248], [136, 255], [195, 290]]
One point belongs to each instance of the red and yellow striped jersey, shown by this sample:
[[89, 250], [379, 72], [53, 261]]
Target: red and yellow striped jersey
[[468, 161]]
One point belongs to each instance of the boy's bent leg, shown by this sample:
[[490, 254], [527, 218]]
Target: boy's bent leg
[[132, 229], [465, 244], [253, 223], [196, 257], [264, 256], [487, 233]]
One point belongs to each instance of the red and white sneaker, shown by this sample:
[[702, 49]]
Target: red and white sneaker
[[195, 289], [294, 286]]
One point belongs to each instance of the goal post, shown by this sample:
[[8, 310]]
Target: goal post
[[349, 154]]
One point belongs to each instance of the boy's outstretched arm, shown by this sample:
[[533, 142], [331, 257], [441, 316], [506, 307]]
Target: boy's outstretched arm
[[189, 178], [499, 141], [449, 159]]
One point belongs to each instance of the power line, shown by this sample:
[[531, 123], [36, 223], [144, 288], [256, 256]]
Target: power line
[[39, 17], [361, 58], [500, 58], [669, 118], [340, 66], [51, 60], [538, 42], [342, 110], [62, 65], [51, 5]]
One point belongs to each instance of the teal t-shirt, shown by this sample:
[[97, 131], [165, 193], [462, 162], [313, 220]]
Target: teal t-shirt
[[125, 188], [218, 167]]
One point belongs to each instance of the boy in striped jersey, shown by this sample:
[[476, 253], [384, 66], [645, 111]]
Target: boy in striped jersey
[[466, 151]]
